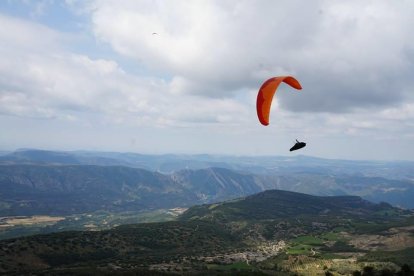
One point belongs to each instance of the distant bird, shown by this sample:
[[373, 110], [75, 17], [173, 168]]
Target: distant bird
[[154, 33], [298, 145]]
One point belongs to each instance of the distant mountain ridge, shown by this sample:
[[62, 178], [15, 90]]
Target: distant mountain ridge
[[169, 163], [54, 190], [71, 189]]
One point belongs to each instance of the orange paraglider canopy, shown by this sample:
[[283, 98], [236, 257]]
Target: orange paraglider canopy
[[266, 92]]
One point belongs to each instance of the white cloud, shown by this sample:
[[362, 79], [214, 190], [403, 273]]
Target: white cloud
[[43, 80], [17, 34], [350, 54], [202, 68]]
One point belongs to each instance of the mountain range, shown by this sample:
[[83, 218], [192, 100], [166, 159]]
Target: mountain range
[[251, 215], [169, 163], [275, 231], [63, 190], [51, 188]]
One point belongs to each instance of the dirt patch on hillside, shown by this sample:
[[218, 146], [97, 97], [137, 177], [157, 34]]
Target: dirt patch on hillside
[[15, 221], [394, 239]]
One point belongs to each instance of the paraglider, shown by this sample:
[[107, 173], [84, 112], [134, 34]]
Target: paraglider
[[266, 93], [298, 145], [265, 97]]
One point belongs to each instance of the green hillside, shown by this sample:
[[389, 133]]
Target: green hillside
[[276, 204], [270, 232]]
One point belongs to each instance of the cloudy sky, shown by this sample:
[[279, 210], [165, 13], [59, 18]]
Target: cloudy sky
[[182, 76]]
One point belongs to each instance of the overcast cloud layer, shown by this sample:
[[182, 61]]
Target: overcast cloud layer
[[182, 76]]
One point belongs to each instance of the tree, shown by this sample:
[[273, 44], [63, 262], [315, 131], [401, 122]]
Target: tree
[[368, 271], [405, 271]]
